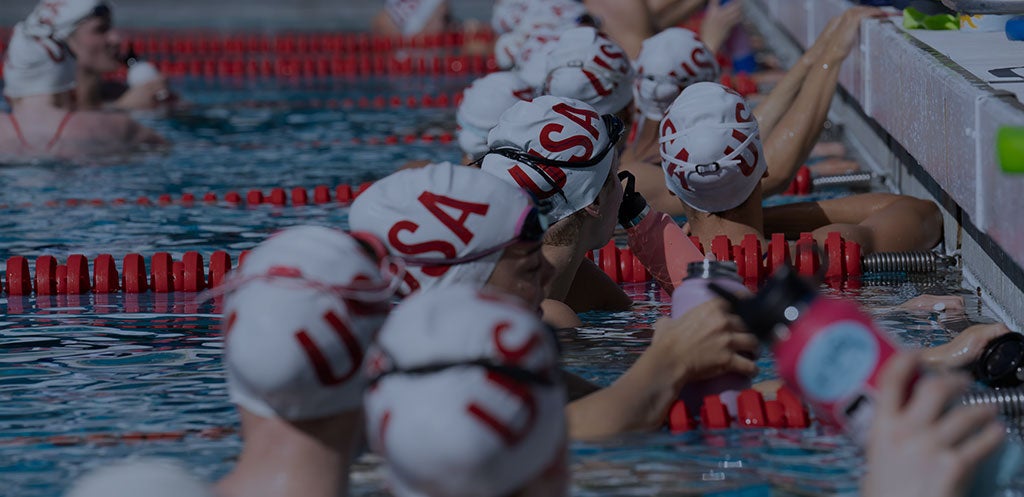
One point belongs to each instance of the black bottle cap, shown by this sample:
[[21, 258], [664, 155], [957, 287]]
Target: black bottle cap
[[779, 302], [1002, 362]]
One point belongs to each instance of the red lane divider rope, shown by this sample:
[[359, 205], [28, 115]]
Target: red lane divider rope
[[194, 42], [164, 274], [753, 263], [752, 411], [65, 440], [425, 101], [342, 194], [329, 66]]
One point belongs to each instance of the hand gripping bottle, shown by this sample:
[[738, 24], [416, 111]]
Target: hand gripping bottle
[[140, 72], [694, 291], [831, 353]]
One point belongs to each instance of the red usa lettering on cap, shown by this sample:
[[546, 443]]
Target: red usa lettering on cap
[[613, 53], [321, 364], [433, 203], [669, 128], [587, 120]]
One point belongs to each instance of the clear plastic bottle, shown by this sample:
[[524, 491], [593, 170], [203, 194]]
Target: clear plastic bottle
[[694, 291]]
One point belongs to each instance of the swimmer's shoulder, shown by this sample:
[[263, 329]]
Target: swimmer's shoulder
[[559, 316]]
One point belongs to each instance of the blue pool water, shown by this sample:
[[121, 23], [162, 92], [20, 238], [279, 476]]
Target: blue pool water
[[79, 375]]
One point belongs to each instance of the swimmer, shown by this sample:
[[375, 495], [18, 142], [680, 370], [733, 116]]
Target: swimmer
[[537, 27], [466, 399], [713, 161], [588, 66], [669, 62], [298, 318], [502, 433], [408, 18], [790, 118], [135, 477], [86, 28], [39, 83], [458, 225]]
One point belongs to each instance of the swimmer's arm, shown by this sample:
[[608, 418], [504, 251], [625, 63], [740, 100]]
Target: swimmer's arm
[[628, 22], [638, 401], [879, 222], [142, 135], [668, 13], [593, 290], [790, 141]]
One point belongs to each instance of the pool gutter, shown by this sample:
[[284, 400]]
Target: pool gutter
[[927, 126]]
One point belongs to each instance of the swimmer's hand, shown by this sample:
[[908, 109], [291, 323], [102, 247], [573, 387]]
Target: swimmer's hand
[[934, 303], [706, 342], [718, 22], [846, 33], [918, 447], [634, 206], [965, 348], [148, 96]]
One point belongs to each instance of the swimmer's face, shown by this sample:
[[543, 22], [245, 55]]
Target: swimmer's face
[[96, 45], [523, 272]]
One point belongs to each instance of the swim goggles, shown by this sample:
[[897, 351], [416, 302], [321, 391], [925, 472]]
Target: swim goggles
[[616, 129], [530, 228], [730, 160], [515, 373]]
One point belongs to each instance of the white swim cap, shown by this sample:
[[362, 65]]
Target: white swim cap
[[466, 398], [526, 53], [57, 19], [36, 66], [527, 15], [669, 62], [411, 16], [450, 224], [586, 65], [482, 104], [555, 129], [711, 148], [136, 477], [298, 317]]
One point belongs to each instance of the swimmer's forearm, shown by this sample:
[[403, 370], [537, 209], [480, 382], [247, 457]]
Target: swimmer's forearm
[[774, 106], [638, 401], [668, 13], [792, 140]]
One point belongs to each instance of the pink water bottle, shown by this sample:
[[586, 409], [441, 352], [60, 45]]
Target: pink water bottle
[[694, 291], [831, 353]]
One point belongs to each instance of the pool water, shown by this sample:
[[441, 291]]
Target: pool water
[[81, 377]]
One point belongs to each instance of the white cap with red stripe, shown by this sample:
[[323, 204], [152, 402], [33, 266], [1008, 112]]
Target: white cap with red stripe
[[482, 104], [59, 19], [299, 314], [36, 66], [466, 398], [669, 62], [587, 65], [558, 149], [448, 223], [711, 148]]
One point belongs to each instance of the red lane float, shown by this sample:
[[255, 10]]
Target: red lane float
[[166, 275], [753, 411], [207, 43], [754, 264]]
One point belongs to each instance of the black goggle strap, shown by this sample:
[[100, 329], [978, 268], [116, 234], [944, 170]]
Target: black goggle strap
[[515, 373]]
